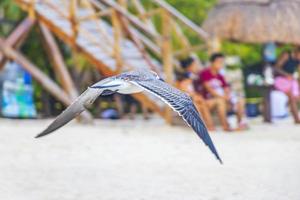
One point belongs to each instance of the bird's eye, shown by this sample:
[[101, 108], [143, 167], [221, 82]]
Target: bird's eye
[[161, 79], [154, 74], [157, 76]]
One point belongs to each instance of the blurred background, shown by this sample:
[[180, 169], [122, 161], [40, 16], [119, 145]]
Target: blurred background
[[239, 60]]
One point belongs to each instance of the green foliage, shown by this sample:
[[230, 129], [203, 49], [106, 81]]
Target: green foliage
[[196, 11], [10, 14], [249, 53], [10, 10], [193, 9]]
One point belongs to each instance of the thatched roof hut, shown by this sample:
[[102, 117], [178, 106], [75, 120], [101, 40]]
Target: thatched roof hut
[[256, 21]]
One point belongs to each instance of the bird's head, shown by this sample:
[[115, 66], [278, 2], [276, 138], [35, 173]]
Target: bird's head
[[157, 76]]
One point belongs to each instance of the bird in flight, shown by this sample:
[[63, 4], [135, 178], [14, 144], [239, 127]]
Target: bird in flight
[[134, 82]]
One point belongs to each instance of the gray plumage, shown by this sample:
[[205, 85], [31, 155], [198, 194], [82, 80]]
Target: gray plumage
[[132, 82]]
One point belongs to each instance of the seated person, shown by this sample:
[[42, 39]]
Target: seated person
[[185, 83], [216, 87], [287, 65]]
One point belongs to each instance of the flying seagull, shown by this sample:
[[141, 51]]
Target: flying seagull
[[134, 82]]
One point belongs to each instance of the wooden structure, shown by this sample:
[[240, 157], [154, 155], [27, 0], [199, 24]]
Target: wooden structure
[[114, 36]]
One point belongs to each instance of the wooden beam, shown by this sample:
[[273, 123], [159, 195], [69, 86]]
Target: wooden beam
[[150, 13], [166, 46], [38, 75], [16, 38], [138, 43], [143, 15], [73, 18], [58, 62], [57, 8], [31, 12], [146, 41], [68, 40], [134, 20], [98, 14], [102, 31], [117, 52]]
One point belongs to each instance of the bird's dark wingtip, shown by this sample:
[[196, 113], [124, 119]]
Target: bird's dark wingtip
[[38, 136], [42, 134], [217, 156], [221, 161]]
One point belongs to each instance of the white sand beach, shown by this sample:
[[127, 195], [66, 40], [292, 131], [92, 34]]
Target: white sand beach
[[147, 160]]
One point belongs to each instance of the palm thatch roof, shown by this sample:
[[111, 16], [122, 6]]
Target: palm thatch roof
[[256, 21]]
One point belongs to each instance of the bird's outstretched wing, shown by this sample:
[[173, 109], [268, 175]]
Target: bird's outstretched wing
[[73, 110], [181, 103]]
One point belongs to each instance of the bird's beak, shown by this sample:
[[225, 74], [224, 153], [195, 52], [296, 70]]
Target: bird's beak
[[104, 86]]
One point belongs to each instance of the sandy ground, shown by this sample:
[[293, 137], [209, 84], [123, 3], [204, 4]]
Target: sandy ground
[[138, 160]]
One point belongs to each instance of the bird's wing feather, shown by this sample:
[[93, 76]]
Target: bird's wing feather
[[183, 105], [73, 110]]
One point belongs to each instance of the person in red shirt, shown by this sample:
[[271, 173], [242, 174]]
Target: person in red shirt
[[187, 81], [214, 86]]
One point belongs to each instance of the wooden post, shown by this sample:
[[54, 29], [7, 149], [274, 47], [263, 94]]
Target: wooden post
[[60, 68], [58, 63], [44, 80], [73, 18], [31, 11], [16, 38], [140, 8], [214, 45], [123, 3], [138, 43], [167, 55], [38, 75], [117, 52]]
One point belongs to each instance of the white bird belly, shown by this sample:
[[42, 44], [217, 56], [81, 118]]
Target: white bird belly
[[129, 88], [120, 86]]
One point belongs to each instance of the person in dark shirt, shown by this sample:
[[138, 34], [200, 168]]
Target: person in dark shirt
[[285, 81], [216, 87]]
